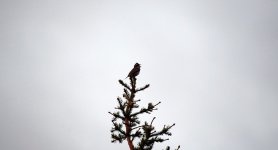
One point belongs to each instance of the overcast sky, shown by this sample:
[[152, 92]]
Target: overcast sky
[[213, 64]]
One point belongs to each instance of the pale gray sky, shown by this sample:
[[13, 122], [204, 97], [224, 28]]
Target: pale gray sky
[[213, 64]]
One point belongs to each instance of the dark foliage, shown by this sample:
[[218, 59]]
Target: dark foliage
[[127, 126]]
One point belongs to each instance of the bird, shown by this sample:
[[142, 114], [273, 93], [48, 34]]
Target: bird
[[135, 71]]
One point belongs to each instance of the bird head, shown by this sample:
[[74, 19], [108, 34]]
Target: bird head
[[137, 65]]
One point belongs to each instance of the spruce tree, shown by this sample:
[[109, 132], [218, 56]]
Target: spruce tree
[[126, 124]]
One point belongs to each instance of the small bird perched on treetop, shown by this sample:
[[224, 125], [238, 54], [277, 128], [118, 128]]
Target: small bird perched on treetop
[[135, 71]]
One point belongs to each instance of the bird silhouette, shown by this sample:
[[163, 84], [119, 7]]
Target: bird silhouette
[[135, 71]]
